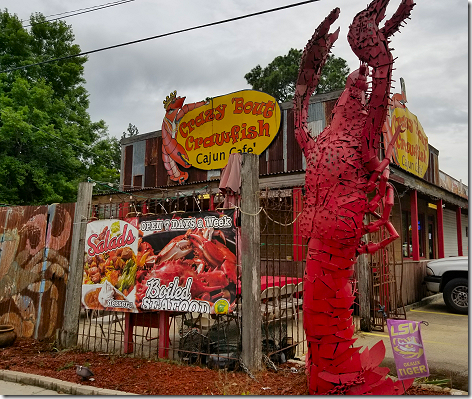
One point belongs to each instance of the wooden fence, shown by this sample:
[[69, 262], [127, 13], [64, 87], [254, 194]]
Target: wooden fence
[[410, 283], [34, 266]]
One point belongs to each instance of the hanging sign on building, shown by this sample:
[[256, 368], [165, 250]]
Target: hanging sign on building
[[182, 262], [408, 349], [204, 134], [245, 121], [411, 150]]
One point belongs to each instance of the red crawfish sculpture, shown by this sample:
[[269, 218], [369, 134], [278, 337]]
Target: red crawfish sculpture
[[172, 152], [342, 168]]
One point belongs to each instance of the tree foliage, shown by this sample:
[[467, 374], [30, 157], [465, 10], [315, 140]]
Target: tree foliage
[[48, 144], [130, 132], [279, 77]]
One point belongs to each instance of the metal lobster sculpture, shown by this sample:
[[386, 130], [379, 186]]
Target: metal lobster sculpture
[[342, 168]]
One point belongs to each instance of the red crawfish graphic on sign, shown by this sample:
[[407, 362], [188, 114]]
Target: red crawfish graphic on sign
[[180, 262], [408, 350], [205, 133]]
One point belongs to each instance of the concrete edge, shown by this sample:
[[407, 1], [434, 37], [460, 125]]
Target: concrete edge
[[55, 384], [423, 302], [434, 387], [452, 391], [71, 388]]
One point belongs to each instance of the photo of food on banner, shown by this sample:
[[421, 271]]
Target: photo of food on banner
[[190, 262], [182, 262], [111, 262]]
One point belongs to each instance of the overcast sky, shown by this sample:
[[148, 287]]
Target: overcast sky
[[128, 84]]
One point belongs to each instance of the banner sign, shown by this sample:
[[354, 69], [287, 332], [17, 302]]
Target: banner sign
[[183, 262], [245, 121], [408, 350], [411, 151]]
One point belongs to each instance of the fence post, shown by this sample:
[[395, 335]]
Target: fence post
[[251, 334], [365, 292], [67, 335]]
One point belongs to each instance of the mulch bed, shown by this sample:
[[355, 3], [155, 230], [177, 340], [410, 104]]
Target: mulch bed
[[156, 377]]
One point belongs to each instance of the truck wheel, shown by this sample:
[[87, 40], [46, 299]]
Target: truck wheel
[[455, 295]]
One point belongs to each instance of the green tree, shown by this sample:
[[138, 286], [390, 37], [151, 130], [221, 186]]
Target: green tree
[[48, 144], [279, 77], [131, 131]]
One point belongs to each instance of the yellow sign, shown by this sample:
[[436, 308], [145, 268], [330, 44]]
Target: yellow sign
[[411, 146], [245, 121]]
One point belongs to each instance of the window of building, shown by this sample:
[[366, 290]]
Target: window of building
[[431, 238], [422, 235], [407, 244]]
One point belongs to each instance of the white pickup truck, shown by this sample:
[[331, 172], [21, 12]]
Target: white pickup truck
[[450, 276]]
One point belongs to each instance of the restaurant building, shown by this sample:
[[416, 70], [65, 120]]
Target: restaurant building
[[434, 202]]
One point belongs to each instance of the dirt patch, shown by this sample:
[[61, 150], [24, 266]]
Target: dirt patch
[[155, 377]]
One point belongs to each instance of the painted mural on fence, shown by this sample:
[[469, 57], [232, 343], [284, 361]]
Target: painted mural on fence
[[34, 267], [177, 262], [408, 349], [205, 133]]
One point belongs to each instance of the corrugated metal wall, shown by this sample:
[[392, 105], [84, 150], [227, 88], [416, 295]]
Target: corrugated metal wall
[[465, 233], [450, 233], [34, 265]]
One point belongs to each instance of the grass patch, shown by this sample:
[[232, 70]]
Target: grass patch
[[66, 366]]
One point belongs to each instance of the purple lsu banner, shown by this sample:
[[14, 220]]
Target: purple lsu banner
[[408, 349]]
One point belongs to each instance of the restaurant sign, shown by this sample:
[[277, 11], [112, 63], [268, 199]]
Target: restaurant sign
[[411, 150], [181, 262], [245, 121]]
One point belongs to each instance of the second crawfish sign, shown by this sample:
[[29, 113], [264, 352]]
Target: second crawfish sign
[[245, 121]]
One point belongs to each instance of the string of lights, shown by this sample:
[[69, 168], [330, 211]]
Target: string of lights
[[204, 189], [112, 186]]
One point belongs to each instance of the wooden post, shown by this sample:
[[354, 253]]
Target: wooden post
[[365, 292], [250, 263], [67, 335]]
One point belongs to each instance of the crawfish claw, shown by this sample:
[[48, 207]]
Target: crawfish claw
[[323, 28], [321, 42], [402, 13], [365, 37], [315, 54]]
